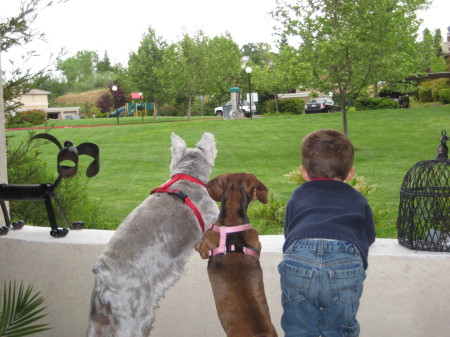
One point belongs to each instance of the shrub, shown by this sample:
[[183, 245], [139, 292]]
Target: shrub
[[167, 110], [270, 215], [292, 105], [444, 95], [374, 103], [105, 103], [28, 118], [429, 90], [425, 94], [25, 166]]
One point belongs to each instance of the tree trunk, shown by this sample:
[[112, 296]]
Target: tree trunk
[[344, 121], [155, 111], [376, 90], [343, 103], [276, 103], [189, 108]]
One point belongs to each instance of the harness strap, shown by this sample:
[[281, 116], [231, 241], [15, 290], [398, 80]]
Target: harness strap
[[177, 177], [165, 188], [222, 249]]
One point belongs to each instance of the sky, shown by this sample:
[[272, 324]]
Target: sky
[[117, 27]]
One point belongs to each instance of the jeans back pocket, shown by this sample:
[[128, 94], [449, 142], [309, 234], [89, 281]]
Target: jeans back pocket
[[347, 284], [295, 281]]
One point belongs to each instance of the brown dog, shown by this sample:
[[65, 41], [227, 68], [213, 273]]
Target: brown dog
[[233, 249]]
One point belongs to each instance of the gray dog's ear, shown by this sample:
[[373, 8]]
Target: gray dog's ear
[[215, 188], [208, 146], [178, 150], [261, 191]]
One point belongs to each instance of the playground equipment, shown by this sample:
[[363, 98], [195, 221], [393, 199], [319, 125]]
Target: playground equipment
[[133, 109]]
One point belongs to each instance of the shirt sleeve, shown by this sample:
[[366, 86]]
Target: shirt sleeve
[[370, 226]]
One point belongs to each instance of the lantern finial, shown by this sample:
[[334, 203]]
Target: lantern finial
[[442, 150]]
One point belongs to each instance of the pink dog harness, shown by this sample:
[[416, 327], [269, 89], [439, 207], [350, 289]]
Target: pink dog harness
[[223, 248], [165, 188]]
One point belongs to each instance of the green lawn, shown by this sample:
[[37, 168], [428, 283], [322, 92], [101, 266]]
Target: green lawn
[[135, 158]]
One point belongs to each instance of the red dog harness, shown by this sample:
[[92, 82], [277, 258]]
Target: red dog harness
[[165, 188], [223, 248]]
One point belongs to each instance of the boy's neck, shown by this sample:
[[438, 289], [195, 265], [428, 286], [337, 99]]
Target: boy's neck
[[324, 178]]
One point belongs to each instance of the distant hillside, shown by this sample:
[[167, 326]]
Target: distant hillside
[[80, 98]]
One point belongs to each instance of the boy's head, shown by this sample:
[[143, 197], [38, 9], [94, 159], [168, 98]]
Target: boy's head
[[328, 154]]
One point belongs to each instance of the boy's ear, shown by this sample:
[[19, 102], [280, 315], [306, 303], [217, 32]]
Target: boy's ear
[[350, 174], [304, 174]]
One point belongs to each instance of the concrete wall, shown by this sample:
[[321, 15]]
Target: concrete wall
[[407, 293]]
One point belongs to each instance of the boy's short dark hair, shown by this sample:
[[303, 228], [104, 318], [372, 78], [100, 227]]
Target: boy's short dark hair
[[328, 154]]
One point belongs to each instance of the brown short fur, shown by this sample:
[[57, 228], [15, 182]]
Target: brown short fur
[[236, 278]]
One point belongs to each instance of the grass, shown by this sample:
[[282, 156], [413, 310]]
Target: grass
[[76, 99], [122, 121], [135, 158]]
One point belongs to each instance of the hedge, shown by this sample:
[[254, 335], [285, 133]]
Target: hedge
[[28, 118], [375, 103], [291, 105]]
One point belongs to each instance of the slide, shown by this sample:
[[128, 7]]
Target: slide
[[119, 112], [132, 110]]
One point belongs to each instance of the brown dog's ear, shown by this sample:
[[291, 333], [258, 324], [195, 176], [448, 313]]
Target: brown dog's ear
[[215, 188], [261, 191]]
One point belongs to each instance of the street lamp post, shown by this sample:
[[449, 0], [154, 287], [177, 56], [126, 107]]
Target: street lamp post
[[114, 88], [142, 100], [248, 70]]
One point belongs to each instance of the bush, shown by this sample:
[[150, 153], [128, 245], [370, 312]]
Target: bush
[[270, 215], [28, 118], [292, 105], [167, 110], [429, 90], [25, 166], [425, 94], [374, 103], [444, 95]]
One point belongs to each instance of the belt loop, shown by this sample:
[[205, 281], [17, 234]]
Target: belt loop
[[321, 248]]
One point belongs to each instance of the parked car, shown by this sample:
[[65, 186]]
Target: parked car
[[321, 105], [71, 117], [244, 107]]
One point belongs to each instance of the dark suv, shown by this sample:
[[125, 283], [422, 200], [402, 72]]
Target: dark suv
[[321, 105]]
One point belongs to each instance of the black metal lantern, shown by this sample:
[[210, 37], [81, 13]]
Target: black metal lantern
[[423, 221]]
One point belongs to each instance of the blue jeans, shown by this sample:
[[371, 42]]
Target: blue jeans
[[321, 283]]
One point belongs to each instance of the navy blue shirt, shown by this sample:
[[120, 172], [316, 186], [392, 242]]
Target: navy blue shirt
[[329, 209]]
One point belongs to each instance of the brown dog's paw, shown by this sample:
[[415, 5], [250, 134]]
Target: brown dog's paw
[[202, 249]]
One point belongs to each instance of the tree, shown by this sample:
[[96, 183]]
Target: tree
[[79, 67], [431, 51], [142, 69], [105, 103], [258, 53], [16, 30], [184, 68], [222, 67], [104, 65], [118, 95], [284, 72], [351, 44]]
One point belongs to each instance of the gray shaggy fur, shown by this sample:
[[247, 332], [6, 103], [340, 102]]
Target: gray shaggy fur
[[147, 253]]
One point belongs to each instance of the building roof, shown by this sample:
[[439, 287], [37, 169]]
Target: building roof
[[430, 76], [37, 92]]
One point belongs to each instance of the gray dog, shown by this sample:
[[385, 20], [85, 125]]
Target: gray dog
[[148, 251]]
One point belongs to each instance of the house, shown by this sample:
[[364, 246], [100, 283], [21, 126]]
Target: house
[[446, 45], [37, 99]]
